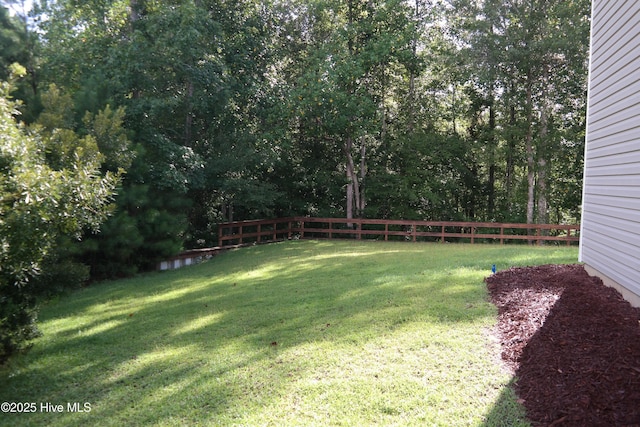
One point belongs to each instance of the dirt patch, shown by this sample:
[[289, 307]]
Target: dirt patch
[[573, 344]]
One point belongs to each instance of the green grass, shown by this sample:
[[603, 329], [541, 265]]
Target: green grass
[[289, 334]]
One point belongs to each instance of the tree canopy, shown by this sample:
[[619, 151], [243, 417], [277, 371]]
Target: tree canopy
[[51, 186], [426, 109]]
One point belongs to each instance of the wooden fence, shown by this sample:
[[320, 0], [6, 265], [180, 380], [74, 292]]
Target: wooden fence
[[243, 232]]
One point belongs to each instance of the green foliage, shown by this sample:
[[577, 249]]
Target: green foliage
[[237, 110], [527, 64], [146, 228], [107, 128], [12, 42], [427, 177], [62, 145], [60, 272], [38, 204], [17, 45]]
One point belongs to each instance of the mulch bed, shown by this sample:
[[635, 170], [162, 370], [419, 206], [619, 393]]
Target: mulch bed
[[572, 343]]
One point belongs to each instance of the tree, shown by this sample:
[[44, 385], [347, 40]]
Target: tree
[[511, 49], [192, 78], [17, 46], [38, 204], [12, 41], [338, 100], [236, 110]]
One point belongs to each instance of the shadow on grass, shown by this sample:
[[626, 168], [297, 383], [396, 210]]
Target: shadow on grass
[[229, 330], [506, 411]]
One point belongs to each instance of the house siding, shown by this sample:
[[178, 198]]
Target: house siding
[[610, 235]]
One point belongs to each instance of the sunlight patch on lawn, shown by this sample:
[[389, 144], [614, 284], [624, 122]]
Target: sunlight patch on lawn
[[99, 328], [415, 374], [292, 334], [162, 359], [354, 254], [198, 323]]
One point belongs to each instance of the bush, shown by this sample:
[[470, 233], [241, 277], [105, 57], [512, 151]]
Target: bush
[[39, 204], [59, 273], [18, 315]]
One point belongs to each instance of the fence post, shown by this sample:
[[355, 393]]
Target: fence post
[[234, 232]]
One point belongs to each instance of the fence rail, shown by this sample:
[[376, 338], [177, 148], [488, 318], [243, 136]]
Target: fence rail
[[242, 232]]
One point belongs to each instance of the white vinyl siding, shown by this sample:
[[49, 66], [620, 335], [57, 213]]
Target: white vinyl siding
[[610, 235]]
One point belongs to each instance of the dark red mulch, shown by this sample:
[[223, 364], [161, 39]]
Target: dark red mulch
[[573, 343]]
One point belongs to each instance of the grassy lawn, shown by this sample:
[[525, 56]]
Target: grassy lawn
[[296, 333]]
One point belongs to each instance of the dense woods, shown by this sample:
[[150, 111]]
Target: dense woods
[[211, 110]]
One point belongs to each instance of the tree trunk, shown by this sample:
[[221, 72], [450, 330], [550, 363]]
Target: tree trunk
[[542, 153], [383, 106], [355, 186], [511, 148], [363, 173], [542, 190], [353, 197], [349, 197], [227, 210], [529, 150], [491, 184]]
